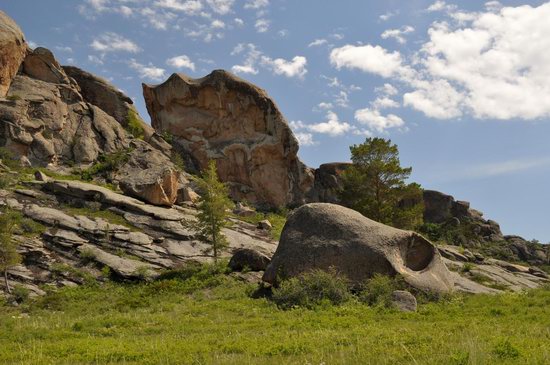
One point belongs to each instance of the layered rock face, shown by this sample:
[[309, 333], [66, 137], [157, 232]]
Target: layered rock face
[[224, 118], [325, 236], [12, 51], [328, 182]]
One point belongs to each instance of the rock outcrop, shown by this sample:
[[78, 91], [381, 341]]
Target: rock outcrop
[[324, 236], [114, 102], [149, 175], [327, 182], [224, 118], [12, 51]]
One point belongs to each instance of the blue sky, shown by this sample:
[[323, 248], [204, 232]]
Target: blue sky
[[462, 87]]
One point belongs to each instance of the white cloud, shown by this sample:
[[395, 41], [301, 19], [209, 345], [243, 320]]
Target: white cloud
[[147, 71], [398, 34], [374, 59], [254, 58], [190, 7], [256, 4], [317, 42], [244, 69], [375, 120], [158, 20], [182, 61], [305, 139], [325, 106], [262, 25], [437, 99], [333, 126], [112, 42], [125, 11], [493, 6], [342, 99], [294, 68], [239, 22], [217, 24], [384, 102], [387, 16], [387, 90], [440, 5], [221, 6]]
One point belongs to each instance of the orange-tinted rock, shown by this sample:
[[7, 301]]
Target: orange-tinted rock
[[12, 51], [226, 119]]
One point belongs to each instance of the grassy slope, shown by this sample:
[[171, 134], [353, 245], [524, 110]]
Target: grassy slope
[[213, 321]]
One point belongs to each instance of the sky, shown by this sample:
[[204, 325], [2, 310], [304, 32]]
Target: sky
[[463, 87]]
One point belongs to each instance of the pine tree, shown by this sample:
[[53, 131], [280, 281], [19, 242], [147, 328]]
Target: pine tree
[[375, 185], [213, 206], [8, 249]]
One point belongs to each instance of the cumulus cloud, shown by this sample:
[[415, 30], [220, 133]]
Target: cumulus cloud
[[149, 71], [293, 68], [262, 25], [490, 65], [180, 62], [398, 34], [375, 120], [373, 59], [221, 6], [279, 66], [113, 42], [190, 7], [332, 126], [305, 139], [386, 16]]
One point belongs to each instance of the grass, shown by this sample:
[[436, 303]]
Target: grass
[[277, 220], [205, 317], [134, 126]]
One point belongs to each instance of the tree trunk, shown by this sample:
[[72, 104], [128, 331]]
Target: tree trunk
[[8, 289]]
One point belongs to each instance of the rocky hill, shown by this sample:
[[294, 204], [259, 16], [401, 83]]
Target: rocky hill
[[102, 194]]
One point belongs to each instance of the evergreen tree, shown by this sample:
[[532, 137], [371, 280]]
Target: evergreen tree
[[375, 185], [213, 206], [8, 249]]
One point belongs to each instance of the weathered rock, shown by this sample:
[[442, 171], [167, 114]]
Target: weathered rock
[[224, 118], [437, 206], [115, 103], [51, 124], [250, 259], [41, 64], [404, 301], [265, 225], [323, 236], [13, 50], [243, 211], [149, 175], [328, 182]]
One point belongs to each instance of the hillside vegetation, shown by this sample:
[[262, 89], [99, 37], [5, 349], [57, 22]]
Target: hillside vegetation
[[208, 317]]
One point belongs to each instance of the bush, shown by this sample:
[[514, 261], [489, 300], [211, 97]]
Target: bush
[[312, 289], [20, 294], [106, 163], [9, 159], [377, 291], [134, 126]]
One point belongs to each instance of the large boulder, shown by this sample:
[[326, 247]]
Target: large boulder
[[224, 118], [149, 175], [324, 236], [41, 64], [12, 51]]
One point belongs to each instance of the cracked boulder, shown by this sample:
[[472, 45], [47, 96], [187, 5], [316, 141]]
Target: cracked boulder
[[150, 176], [224, 118], [325, 236]]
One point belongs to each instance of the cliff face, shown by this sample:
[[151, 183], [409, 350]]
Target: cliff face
[[224, 118]]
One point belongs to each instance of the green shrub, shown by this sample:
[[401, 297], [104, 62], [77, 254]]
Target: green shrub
[[87, 255], [134, 125], [31, 228], [20, 293], [505, 350], [467, 267], [177, 160], [13, 97], [106, 163], [377, 290], [9, 159], [312, 289], [168, 137]]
